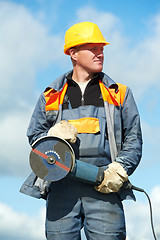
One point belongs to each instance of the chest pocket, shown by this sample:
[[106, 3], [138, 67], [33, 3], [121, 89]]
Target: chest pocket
[[86, 125], [90, 122]]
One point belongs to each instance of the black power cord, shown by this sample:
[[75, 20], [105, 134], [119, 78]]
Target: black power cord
[[128, 185]]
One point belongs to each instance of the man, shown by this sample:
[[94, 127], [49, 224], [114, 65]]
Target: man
[[100, 119]]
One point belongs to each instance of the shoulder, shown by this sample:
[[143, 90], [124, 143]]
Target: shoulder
[[59, 82]]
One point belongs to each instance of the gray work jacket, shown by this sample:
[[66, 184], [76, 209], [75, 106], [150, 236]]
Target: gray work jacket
[[123, 123]]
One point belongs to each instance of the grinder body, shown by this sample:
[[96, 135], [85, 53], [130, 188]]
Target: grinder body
[[53, 158]]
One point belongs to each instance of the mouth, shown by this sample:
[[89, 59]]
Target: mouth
[[98, 61]]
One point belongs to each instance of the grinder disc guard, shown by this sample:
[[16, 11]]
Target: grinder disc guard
[[51, 158]]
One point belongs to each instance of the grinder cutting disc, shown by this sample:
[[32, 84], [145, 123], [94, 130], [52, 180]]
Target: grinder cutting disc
[[51, 158]]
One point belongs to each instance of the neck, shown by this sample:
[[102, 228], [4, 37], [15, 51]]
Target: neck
[[81, 76]]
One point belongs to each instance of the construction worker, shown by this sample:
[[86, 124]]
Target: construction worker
[[100, 119]]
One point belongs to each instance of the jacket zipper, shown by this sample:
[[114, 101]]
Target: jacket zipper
[[82, 100]]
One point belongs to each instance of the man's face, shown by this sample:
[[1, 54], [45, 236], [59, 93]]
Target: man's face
[[90, 57]]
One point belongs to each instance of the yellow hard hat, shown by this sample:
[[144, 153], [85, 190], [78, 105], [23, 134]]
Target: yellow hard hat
[[81, 33]]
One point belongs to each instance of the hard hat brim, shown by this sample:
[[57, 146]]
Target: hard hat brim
[[67, 47]]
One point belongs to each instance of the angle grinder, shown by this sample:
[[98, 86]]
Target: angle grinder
[[53, 158]]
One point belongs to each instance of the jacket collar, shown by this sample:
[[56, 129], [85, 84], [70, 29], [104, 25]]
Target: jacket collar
[[108, 82], [58, 84]]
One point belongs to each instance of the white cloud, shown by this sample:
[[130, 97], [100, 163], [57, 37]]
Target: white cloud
[[26, 47], [107, 22], [14, 144], [138, 217], [18, 226], [151, 135]]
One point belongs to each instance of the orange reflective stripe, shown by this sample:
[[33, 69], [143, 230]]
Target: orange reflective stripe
[[86, 125], [53, 98], [122, 89], [109, 95], [62, 93]]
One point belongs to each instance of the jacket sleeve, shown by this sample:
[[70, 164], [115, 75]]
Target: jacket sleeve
[[39, 123], [131, 151]]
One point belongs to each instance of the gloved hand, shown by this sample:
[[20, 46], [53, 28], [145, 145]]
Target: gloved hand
[[114, 177], [64, 130]]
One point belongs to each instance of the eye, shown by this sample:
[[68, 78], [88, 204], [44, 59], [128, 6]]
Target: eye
[[93, 49]]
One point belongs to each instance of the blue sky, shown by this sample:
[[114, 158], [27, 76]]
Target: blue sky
[[31, 47]]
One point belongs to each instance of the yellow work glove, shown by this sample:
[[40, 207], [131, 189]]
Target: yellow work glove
[[114, 177], [64, 130]]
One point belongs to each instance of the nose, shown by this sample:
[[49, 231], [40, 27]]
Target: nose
[[99, 52]]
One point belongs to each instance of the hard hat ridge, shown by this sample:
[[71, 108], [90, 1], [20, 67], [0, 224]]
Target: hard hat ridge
[[82, 33]]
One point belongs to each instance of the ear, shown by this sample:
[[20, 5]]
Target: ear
[[73, 53]]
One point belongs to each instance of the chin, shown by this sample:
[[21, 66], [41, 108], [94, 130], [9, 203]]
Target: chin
[[99, 69]]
